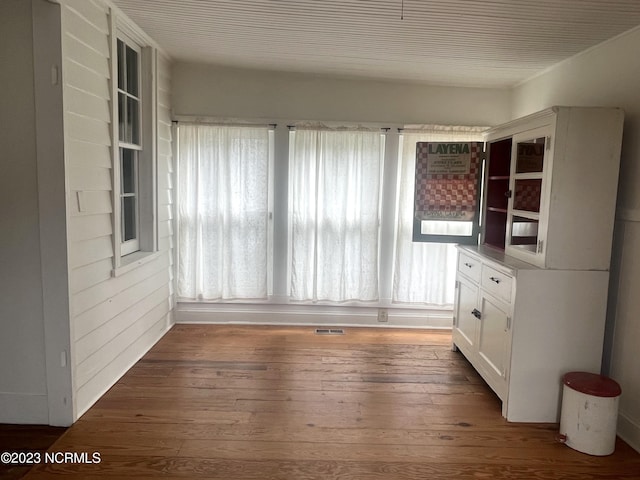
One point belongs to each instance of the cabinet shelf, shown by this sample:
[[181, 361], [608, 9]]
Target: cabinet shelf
[[526, 214], [528, 176], [496, 209], [499, 177]]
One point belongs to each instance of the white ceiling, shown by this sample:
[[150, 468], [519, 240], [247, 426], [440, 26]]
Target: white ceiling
[[484, 43]]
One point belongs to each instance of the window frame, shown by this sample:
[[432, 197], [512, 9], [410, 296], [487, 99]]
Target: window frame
[[128, 254], [128, 246], [384, 193], [270, 229]]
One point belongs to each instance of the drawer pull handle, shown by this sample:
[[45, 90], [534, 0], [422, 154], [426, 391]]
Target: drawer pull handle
[[494, 279], [468, 265], [476, 313]]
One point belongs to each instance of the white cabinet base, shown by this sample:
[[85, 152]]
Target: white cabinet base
[[553, 323]]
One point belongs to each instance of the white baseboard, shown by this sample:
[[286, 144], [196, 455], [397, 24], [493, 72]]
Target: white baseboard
[[629, 431], [24, 408], [291, 315]]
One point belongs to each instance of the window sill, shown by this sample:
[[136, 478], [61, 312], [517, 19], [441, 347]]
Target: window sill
[[133, 261]]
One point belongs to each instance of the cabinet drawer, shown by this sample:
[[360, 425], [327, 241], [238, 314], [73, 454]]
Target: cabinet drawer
[[469, 266], [497, 283]]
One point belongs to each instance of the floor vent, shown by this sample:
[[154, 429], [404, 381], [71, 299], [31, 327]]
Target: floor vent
[[329, 331]]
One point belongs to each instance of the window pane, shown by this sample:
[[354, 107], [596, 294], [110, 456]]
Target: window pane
[[530, 156], [133, 121], [128, 172], [524, 233], [128, 218], [334, 178], [132, 72], [436, 227], [527, 195], [122, 112], [121, 67], [223, 215]]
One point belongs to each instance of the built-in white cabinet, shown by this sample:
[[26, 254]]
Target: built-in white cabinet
[[531, 298]]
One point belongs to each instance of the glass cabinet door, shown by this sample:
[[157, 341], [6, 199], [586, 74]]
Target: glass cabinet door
[[529, 159]]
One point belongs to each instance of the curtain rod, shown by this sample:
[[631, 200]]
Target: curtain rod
[[224, 124], [446, 129], [325, 128]]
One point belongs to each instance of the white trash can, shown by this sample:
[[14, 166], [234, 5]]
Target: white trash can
[[589, 414]]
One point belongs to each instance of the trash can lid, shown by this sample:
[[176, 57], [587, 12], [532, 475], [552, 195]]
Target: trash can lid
[[592, 384]]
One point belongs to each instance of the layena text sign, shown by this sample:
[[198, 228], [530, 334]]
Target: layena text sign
[[446, 185]]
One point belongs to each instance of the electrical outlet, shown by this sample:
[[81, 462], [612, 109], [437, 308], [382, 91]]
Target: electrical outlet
[[383, 315]]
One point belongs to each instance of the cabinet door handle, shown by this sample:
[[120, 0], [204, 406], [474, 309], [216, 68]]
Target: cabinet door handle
[[476, 313], [494, 279], [468, 265]]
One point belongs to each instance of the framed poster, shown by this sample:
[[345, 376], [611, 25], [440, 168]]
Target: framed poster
[[447, 192]]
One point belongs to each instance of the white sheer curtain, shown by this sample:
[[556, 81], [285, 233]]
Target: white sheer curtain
[[222, 204], [423, 272], [334, 202]]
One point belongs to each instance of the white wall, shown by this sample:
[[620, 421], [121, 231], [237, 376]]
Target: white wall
[[227, 92], [23, 389], [608, 76]]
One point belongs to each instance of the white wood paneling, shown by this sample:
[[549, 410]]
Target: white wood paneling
[[88, 251], [92, 344], [82, 29], [164, 112], [165, 243], [86, 79], [107, 310], [88, 105], [165, 213], [104, 291], [87, 129], [89, 275], [83, 203], [114, 319], [90, 58], [93, 13], [88, 178], [88, 227], [488, 43], [131, 353], [84, 153], [165, 169]]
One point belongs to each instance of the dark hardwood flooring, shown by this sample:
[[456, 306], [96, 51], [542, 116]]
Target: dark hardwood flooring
[[267, 403], [25, 438]]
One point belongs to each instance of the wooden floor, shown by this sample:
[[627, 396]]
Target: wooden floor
[[261, 403], [25, 438]]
